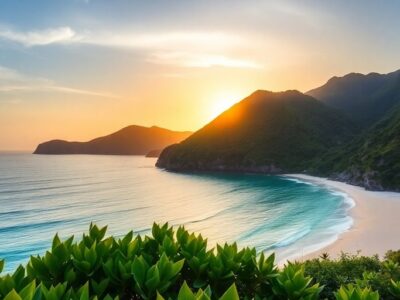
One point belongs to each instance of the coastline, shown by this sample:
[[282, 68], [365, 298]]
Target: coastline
[[375, 221]]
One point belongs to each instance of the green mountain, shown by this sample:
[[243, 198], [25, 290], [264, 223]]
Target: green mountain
[[266, 132], [364, 98], [131, 140], [372, 160]]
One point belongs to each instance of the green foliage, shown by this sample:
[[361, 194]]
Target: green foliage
[[395, 288], [356, 293], [169, 265], [353, 269], [185, 293], [372, 159], [294, 285], [158, 277], [393, 256]]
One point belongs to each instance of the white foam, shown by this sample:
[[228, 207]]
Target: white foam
[[325, 237]]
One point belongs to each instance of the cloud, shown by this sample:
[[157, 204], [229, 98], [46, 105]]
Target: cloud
[[190, 49], [165, 40], [201, 60], [148, 40], [193, 49], [40, 37], [13, 81]]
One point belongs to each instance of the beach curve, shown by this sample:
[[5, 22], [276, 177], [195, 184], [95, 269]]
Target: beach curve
[[375, 220]]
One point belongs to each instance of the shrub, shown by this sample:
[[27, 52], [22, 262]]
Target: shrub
[[356, 293], [169, 265], [353, 269], [393, 256]]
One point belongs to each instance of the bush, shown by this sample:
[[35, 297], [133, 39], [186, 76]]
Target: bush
[[353, 269], [393, 256], [169, 265], [356, 293]]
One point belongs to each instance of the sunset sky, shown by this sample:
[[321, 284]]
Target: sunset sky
[[76, 69]]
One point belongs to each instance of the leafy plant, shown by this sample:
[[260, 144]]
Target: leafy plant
[[356, 293], [150, 279], [185, 293], [292, 284], [395, 289], [179, 265]]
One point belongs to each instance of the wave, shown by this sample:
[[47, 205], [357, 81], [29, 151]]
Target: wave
[[290, 239]]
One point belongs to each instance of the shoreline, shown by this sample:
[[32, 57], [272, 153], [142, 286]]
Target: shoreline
[[375, 221]]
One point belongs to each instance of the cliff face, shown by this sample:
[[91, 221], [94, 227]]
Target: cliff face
[[131, 140], [264, 133]]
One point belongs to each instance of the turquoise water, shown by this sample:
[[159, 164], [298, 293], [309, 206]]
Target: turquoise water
[[42, 195]]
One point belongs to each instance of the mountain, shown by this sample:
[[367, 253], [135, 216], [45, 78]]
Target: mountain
[[266, 132], [372, 160], [364, 98], [131, 140]]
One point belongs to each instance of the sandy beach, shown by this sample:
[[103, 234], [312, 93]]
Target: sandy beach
[[376, 218]]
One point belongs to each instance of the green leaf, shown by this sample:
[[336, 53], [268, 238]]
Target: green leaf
[[159, 297], [185, 293], [13, 295], [139, 270], [100, 288], [82, 266], [153, 278], [70, 275], [230, 294], [199, 283], [56, 241], [177, 267], [28, 292], [61, 252], [201, 295], [84, 292], [102, 233], [1, 265], [91, 255]]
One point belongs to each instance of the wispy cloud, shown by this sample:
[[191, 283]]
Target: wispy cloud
[[191, 49], [194, 49], [13, 81], [165, 40], [40, 37], [201, 60]]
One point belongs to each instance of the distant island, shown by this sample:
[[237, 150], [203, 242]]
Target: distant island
[[348, 130], [131, 140]]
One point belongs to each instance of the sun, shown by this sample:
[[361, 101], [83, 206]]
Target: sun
[[222, 101]]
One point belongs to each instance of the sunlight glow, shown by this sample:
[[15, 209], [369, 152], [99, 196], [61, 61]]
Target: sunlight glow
[[223, 101]]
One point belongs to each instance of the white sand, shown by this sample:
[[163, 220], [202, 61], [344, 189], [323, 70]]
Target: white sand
[[376, 218]]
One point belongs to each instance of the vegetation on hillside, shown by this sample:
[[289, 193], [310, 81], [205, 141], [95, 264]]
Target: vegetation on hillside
[[179, 265], [266, 132], [371, 160], [290, 132]]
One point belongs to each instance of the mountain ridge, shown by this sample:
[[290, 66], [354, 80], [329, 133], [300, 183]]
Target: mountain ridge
[[364, 97], [262, 133], [130, 140], [368, 153]]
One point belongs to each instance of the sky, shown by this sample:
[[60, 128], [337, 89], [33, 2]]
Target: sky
[[78, 69]]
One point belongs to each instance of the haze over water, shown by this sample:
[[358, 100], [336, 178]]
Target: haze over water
[[42, 195]]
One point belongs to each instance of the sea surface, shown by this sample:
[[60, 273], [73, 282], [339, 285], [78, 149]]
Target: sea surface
[[41, 195]]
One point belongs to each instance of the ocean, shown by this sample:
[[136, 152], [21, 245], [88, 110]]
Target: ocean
[[43, 195]]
